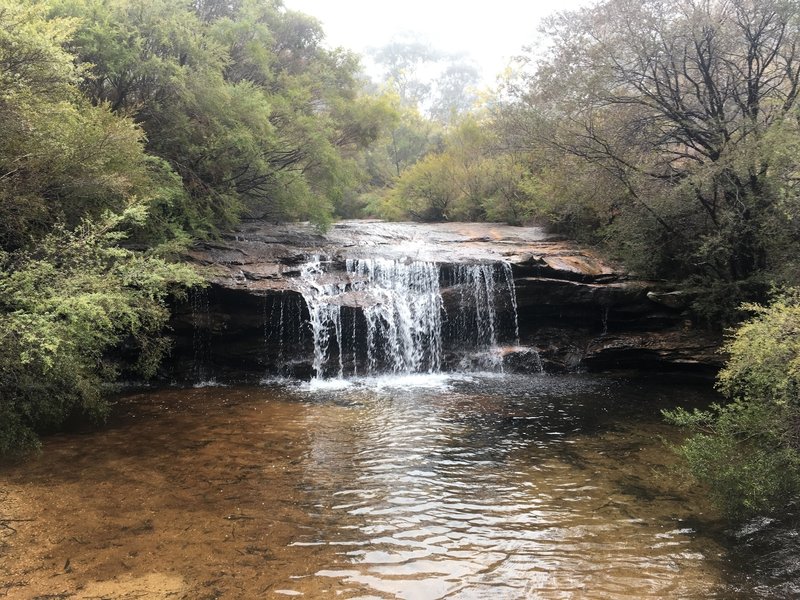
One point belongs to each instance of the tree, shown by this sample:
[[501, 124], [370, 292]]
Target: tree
[[454, 92], [675, 101], [402, 60], [427, 191], [437, 84], [61, 158], [75, 183]]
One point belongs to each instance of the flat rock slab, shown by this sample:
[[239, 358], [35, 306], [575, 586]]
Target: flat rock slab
[[265, 256]]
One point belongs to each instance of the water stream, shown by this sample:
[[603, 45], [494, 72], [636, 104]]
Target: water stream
[[390, 474], [400, 324], [423, 486], [201, 336]]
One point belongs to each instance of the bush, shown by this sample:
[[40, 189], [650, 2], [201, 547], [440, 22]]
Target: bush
[[748, 451], [63, 307]]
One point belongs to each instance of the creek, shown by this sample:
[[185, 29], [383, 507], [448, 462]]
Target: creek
[[404, 440], [414, 486]]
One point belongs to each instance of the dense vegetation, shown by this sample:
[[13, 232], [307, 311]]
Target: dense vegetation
[[128, 128], [748, 451], [665, 131]]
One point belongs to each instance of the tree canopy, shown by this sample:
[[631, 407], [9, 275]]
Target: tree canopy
[[240, 99], [129, 128], [687, 111]]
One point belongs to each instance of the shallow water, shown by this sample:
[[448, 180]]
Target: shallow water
[[421, 488]]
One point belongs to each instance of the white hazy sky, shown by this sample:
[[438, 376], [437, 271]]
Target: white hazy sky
[[489, 32]]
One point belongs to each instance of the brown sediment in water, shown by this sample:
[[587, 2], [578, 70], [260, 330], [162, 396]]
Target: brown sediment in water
[[263, 492], [181, 497]]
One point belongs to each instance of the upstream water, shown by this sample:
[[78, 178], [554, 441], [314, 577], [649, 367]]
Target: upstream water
[[417, 487]]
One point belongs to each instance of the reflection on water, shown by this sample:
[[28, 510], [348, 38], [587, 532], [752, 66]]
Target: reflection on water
[[427, 487], [499, 487]]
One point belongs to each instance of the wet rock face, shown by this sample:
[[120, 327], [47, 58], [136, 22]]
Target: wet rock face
[[576, 309]]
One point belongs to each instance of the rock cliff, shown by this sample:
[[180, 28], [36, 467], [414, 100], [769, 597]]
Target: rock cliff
[[577, 310]]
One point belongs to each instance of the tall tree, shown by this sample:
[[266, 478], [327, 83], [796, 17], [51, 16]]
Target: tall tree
[[688, 107], [61, 158], [454, 92], [402, 60]]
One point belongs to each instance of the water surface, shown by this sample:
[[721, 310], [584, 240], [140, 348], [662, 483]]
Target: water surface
[[420, 488]]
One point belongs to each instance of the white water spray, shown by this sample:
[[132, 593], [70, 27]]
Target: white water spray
[[401, 315]]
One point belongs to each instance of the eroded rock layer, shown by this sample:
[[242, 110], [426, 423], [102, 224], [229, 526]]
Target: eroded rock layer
[[575, 310]]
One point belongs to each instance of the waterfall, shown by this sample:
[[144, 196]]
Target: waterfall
[[201, 335], [403, 313], [390, 315], [282, 335], [323, 300], [477, 323], [512, 292]]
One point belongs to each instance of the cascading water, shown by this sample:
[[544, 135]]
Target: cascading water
[[403, 313], [512, 292], [390, 316], [282, 335], [486, 294], [201, 336], [323, 299]]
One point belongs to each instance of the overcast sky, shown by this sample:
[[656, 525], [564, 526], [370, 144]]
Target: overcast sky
[[490, 32]]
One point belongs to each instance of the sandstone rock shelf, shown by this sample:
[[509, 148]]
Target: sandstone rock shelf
[[577, 309]]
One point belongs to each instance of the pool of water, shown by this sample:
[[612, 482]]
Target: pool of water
[[473, 486]]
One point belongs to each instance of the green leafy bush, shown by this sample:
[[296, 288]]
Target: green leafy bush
[[748, 451], [63, 307]]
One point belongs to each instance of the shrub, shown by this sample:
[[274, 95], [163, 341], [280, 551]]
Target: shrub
[[748, 451]]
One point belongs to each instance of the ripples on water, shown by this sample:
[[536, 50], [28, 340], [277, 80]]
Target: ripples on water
[[423, 487], [496, 487]]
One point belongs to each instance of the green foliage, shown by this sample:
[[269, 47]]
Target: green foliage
[[240, 99], [461, 182], [75, 182], [428, 191], [61, 158], [748, 451], [508, 197], [668, 131], [409, 138], [764, 353], [455, 92], [63, 307]]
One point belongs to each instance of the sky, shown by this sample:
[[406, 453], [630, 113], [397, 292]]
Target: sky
[[489, 32]]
